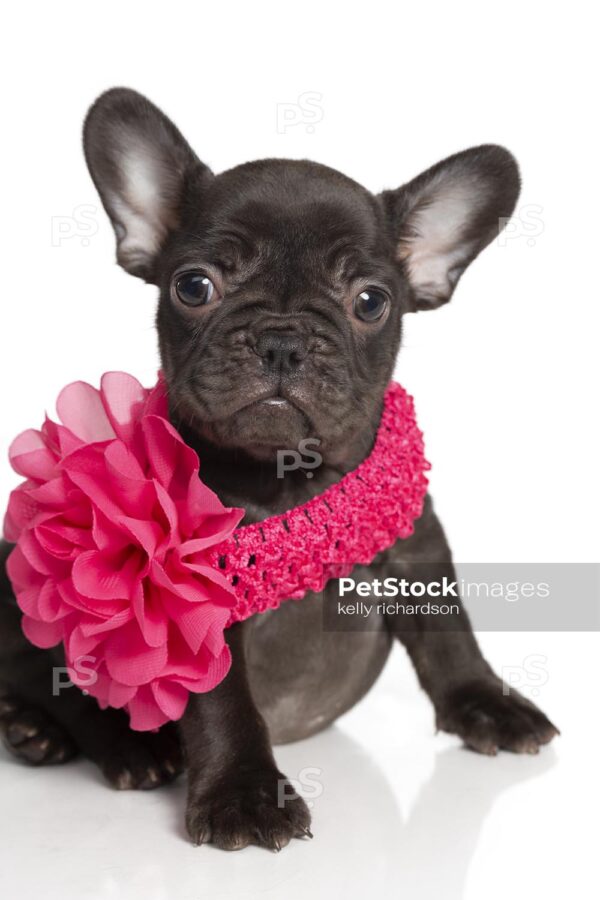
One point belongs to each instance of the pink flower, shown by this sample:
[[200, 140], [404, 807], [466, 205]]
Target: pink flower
[[114, 530]]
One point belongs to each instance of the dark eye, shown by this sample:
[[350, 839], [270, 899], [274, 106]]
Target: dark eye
[[370, 305], [195, 289]]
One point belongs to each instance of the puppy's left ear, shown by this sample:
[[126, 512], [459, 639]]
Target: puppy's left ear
[[444, 218]]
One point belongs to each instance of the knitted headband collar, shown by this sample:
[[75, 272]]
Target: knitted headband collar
[[130, 562]]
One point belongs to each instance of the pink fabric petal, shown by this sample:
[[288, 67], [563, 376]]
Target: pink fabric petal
[[203, 504], [130, 660], [61, 539], [58, 439], [30, 457], [42, 634], [117, 498], [28, 601], [210, 671], [170, 697], [88, 606], [92, 627], [107, 534], [51, 494], [214, 640], [86, 468], [144, 712], [27, 441], [122, 463], [123, 398], [209, 580], [79, 645], [39, 558], [150, 615], [22, 509], [189, 668], [195, 620], [50, 607], [80, 408], [146, 533], [171, 460], [187, 590], [104, 576], [168, 508], [87, 674], [156, 401], [21, 573], [215, 528], [120, 695]]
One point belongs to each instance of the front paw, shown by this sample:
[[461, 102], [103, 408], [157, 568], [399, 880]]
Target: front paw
[[142, 760], [489, 717], [32, 735], [248, 807]]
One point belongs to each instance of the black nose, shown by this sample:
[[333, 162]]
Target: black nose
[[282, 352]]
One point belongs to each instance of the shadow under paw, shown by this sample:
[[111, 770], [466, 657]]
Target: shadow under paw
[[260, 808], [32, 735], [489, 717]]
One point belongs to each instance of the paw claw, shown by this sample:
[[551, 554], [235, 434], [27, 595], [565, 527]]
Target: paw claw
[[151, 780], [32, 735], [143, 760], [19, 732], [123, 781], [8, 706], [488, 718], [247, 811]]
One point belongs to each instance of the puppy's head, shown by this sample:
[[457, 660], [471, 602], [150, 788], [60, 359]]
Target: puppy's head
[[283, 283]]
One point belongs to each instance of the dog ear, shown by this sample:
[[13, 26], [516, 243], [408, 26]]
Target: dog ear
[[142, 168], [443, 218]]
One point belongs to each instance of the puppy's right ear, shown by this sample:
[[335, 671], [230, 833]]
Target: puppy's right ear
[[142, 168]]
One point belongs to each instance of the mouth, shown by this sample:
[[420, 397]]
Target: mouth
[[261, 425], [269, 424], [277, 402]]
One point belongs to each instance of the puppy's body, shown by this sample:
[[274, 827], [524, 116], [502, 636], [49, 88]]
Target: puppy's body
[[324, 673], [282, 291]]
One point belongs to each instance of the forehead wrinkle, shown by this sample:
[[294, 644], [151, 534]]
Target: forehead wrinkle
[[350, 263], [342, 263], [224, 249]]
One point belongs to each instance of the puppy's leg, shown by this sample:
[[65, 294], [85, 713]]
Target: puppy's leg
[[40, 726], [237, 796], [28, 732], [469, 699]]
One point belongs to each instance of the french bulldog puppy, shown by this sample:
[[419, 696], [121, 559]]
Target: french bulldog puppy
[[282, 289]]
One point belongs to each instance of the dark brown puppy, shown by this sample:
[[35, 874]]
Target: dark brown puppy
[[282, 290]]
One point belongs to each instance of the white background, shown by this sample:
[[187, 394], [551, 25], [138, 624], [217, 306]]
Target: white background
[[505, 379]]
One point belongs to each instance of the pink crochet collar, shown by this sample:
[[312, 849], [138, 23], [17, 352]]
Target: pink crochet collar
[[125, 557]]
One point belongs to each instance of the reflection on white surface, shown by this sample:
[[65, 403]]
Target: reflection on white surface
[[397, 811], [95, 843]]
